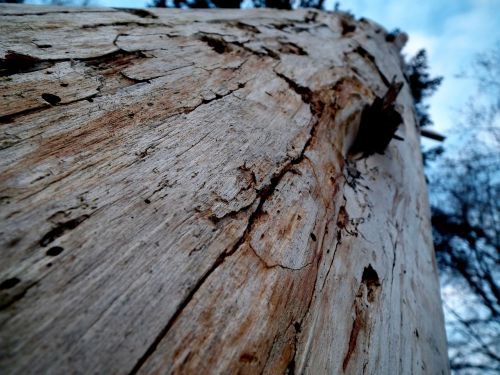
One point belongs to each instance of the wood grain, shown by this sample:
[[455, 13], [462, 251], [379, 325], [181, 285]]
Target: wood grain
[[176, 197]]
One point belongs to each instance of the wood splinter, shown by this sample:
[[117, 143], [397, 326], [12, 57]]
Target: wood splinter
[[378, 125]]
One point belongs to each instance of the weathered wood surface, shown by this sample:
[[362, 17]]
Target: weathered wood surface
[[176, 197]]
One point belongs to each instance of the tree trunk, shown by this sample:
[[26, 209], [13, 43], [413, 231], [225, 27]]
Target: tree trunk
[[178, 196]]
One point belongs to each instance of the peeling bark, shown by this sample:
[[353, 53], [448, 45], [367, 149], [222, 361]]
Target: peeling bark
[[177, 196]]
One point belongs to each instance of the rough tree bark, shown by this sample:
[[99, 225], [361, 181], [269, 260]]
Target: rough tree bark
[[177, 197]]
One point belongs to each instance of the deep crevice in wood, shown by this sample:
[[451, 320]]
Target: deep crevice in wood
[[264, 194], [369, 57]]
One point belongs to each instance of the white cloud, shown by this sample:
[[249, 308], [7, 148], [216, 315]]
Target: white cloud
[[418, 41], [452, 32]]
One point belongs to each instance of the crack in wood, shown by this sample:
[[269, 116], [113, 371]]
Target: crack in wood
[[290, 368], [371, 59], [366, 295], [275, 265], [62, 228], [8, 298], [122, 23], [72, 11], [262, 195]]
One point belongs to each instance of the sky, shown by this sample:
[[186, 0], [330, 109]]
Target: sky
[[452, 32]]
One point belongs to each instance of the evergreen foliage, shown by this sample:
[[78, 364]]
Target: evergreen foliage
[[421, 85]]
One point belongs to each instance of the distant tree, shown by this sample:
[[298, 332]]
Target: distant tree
[[278, 4], [464, 184], [183, 4], [421, 85], [316, 4]]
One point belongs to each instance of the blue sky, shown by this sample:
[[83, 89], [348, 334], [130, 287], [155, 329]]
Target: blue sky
[[452, 32]]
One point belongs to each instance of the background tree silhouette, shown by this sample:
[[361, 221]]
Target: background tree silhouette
[[421, 85], [278, 4], [464, 182]]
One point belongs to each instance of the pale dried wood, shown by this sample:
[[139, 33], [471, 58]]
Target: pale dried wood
[[176, 197]]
